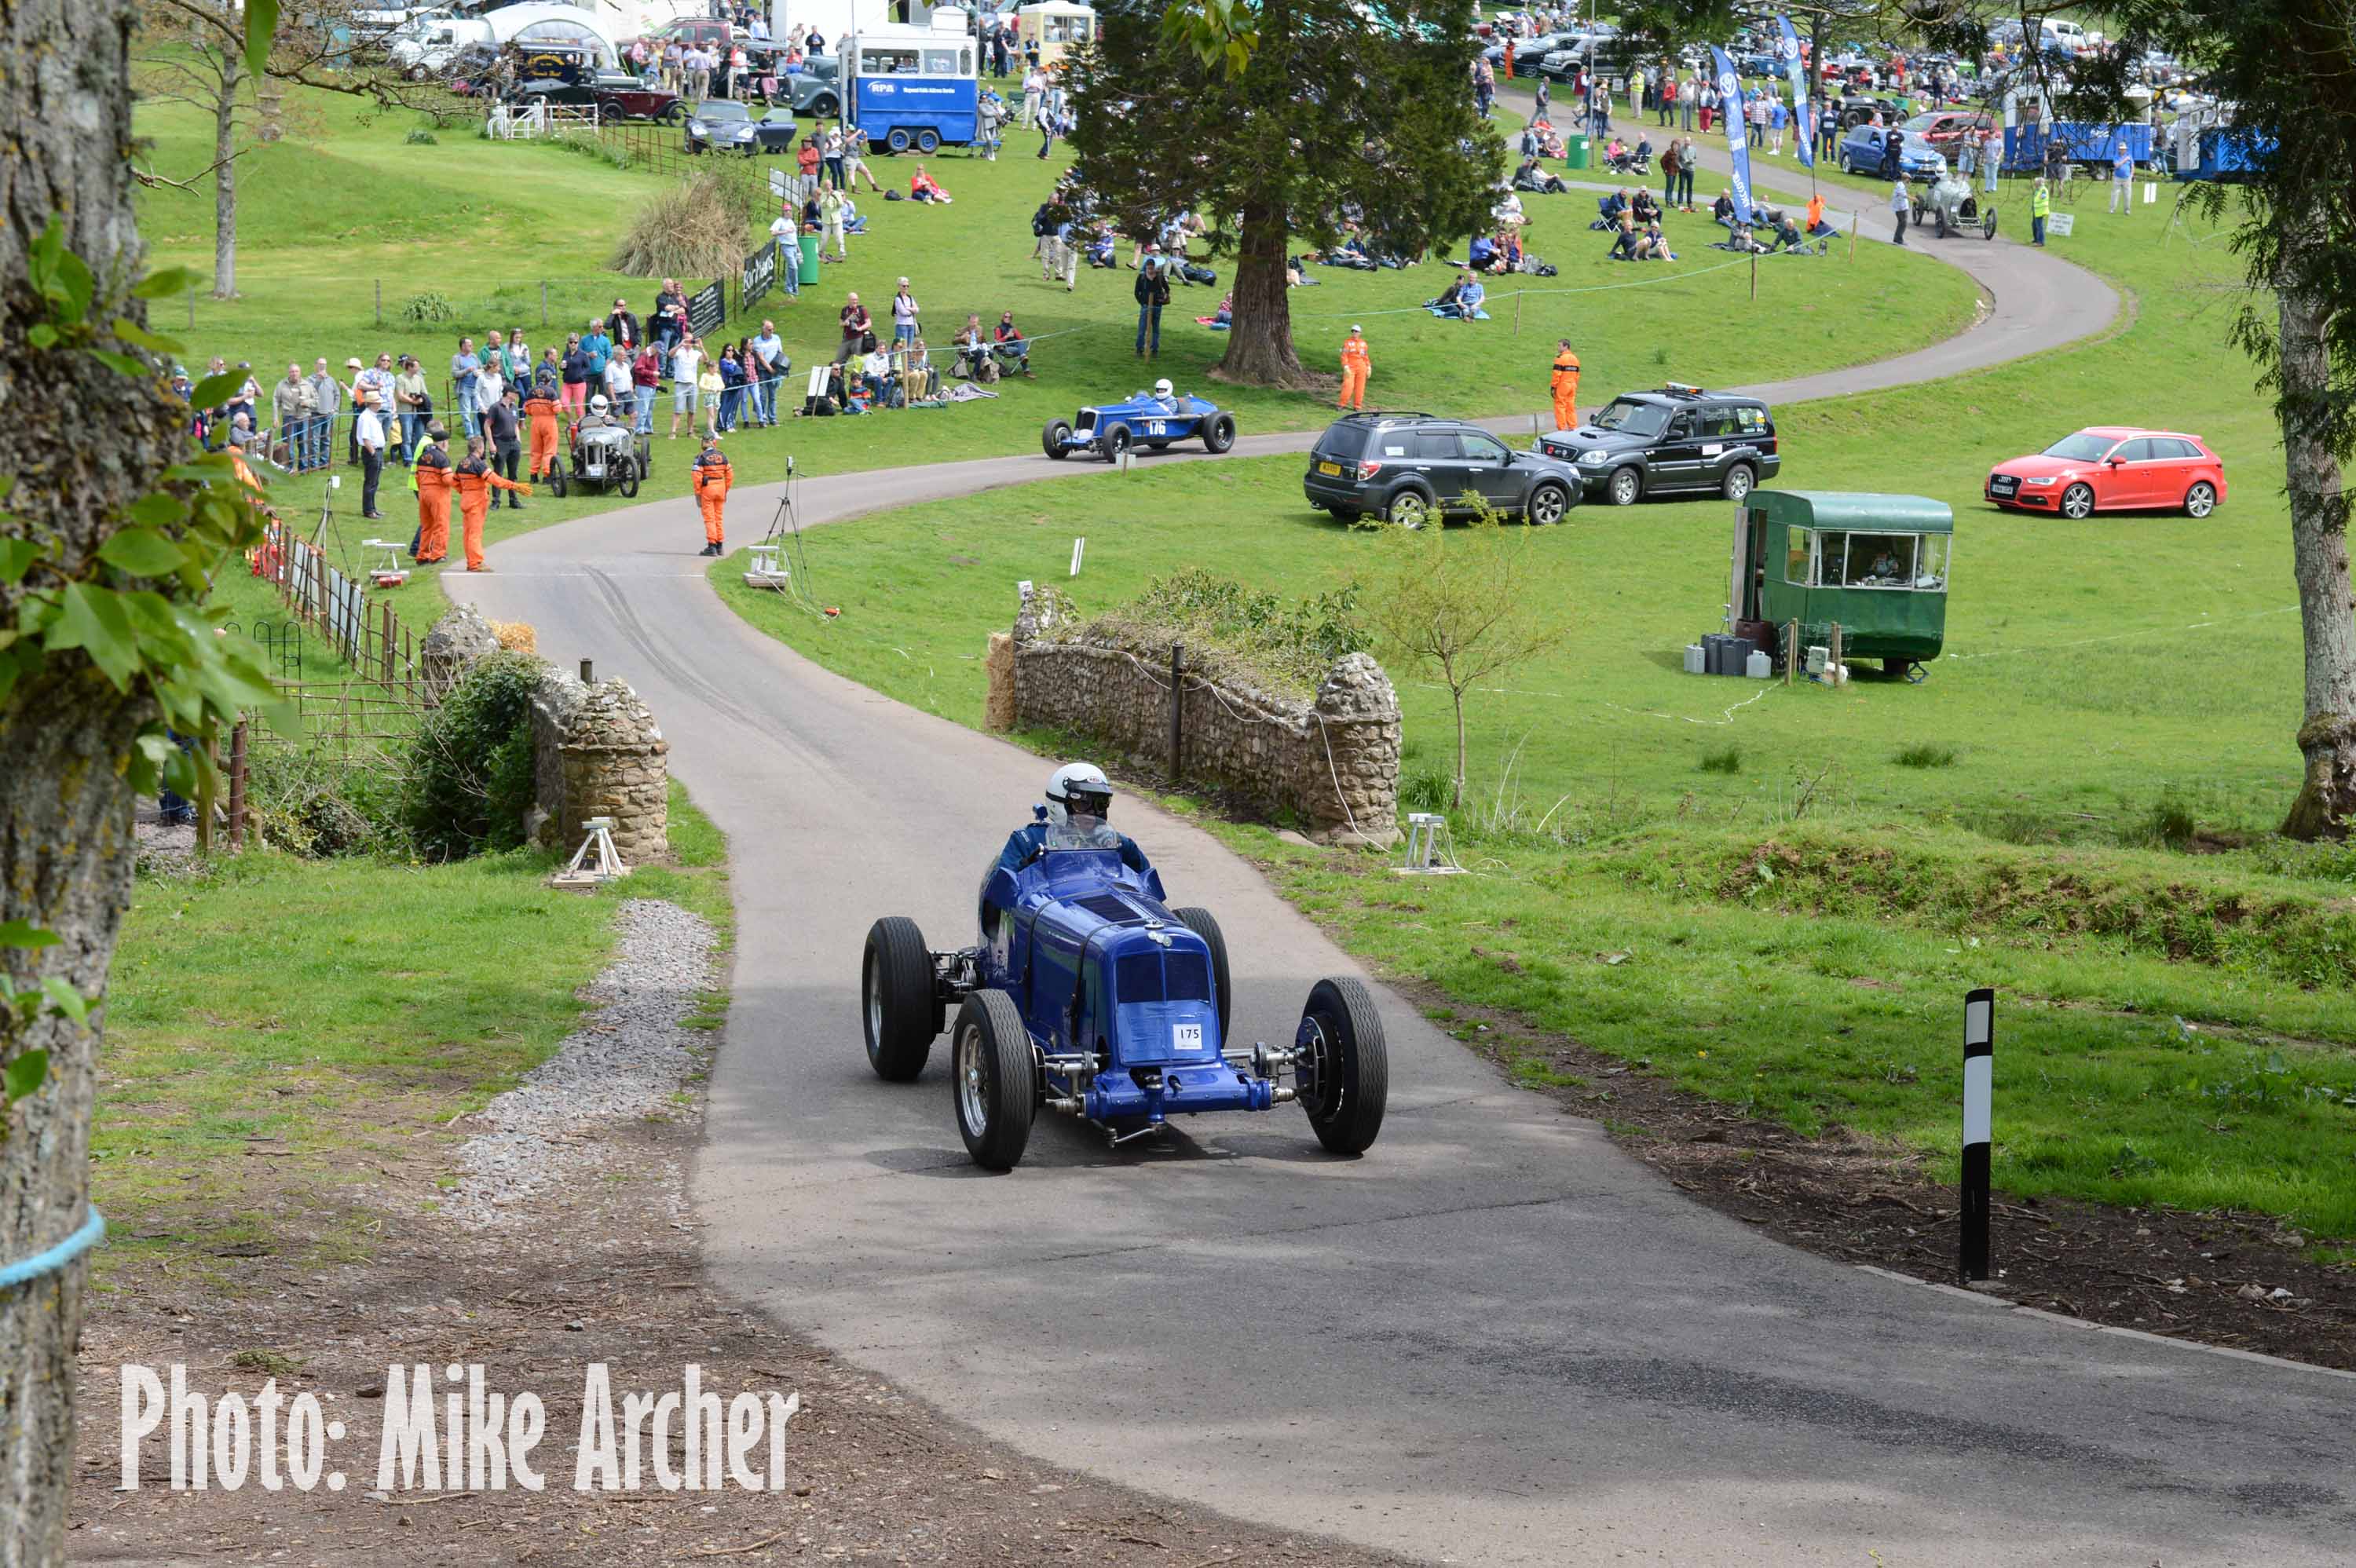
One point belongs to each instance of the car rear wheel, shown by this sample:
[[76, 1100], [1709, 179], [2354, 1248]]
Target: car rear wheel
[[556, 478], [2078, 502], [1201, 923], [825, 108], [2201, 500], [1113, 443], [626, 473], [996, 1082], [1219, 433], [927, 144], [897, 1003], [1052, 439], [1409, 509], [1343, 1072], [1547, 503], [1738, 481], [1626, 485]]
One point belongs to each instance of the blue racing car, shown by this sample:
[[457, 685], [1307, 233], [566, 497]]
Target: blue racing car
[[1151, 420], [1088, 995]]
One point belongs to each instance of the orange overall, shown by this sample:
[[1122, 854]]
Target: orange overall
[[712, 478], [1566, 390], [1355, 363], [432, 505], [541, 410], [473, 480]]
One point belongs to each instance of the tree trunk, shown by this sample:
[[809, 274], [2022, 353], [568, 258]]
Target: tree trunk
[[225, 176], [66, 843], [1456, 695], [1260, 349], [2326, 805]]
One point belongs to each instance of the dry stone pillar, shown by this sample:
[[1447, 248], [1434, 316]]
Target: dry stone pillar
[[457, 642], [1352, 761], [597, 752]]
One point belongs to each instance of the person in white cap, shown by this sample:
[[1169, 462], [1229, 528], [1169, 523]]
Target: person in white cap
[[1356, 363]]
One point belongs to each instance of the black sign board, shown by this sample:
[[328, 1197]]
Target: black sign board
[[707, 308], [760, 276]]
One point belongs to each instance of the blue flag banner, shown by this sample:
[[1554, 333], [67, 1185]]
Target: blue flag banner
[[1729, 106], [1798, 76]]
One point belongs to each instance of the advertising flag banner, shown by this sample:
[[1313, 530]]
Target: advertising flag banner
[[1798, 76], [1730, 107]]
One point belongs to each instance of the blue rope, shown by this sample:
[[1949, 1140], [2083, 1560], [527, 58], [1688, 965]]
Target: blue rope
[[56, 1257]]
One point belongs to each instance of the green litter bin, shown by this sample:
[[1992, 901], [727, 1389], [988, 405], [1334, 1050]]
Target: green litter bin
[[809, 259], [1577, 150]]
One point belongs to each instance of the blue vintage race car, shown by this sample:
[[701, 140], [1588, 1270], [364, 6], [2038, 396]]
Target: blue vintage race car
[[1087, 995], [1109, 429]]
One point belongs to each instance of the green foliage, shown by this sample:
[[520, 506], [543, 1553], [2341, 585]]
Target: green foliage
[[316, 806], [1924, 755], [427, 308], [693, 229], [422, 137], [1724, 760], [1289, 643], [1425, 789], [470, 772]]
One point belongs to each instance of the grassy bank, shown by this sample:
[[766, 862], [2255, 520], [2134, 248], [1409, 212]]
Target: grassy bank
[[282, 1034], [1776, 896]]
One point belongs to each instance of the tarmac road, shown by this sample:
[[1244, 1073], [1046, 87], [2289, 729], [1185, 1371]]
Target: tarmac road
[[1494, 1338]]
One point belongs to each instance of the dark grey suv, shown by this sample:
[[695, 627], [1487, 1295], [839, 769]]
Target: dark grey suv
[[1679, 440], [1409, 466]]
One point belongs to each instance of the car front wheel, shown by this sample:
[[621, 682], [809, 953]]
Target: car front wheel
[[1738, 481], [2201, 500], [1113, 443], [1343, 1071], [1202, 923], [897, 1006], [1547, 503], [2078, 502], [1626, 485], [994, 1081], [1052, 439], [1219, 433]]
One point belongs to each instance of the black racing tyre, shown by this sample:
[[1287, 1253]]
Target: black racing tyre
[[673, 115], [1409, 509], [897, 1006], [1200, 921], [1547, 505], [994, 1079], [1625, 488], [1738, 481], [1113, 442], [2201, 500], [2078, 502], [626, 470], [1052, 439], [1343, 1076], [1219, 433], [556, 478]]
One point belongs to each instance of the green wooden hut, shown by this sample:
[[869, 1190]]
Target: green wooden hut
[[1876, 566]]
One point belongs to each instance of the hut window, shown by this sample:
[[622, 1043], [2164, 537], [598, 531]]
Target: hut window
[[1880, 561], [1796, 556], [1930, 570]]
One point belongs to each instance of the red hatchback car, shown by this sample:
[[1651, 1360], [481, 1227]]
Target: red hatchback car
[[2112, 468]]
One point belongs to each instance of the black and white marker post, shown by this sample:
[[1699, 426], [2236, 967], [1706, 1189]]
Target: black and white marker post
[[1979, 1083]]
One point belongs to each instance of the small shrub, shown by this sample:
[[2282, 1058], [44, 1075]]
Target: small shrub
[[1725, 760], [2169, 824], [470, 773], [427, 308], [1925, 756], [1425, 789], [1230, 630], [319, 807], [422, 137]]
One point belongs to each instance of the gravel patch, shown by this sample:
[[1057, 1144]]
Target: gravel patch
[[623, 1065]]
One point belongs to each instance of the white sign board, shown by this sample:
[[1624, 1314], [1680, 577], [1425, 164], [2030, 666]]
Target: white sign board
[[2058, 225]]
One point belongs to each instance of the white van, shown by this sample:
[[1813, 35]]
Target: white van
[[2066, 36]]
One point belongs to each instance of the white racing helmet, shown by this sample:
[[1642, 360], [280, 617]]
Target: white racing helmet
[[597, 405], [1162, 387], [1079, 789]]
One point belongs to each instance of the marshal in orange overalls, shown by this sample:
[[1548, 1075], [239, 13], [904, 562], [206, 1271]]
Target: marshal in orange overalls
[[473, 479], [1355, 363], [712, 478], [1566, 390], [434, 489], [541, 410]]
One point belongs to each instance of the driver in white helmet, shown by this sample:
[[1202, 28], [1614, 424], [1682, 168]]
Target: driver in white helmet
[[1164, 397], [599, 416], [1079, 800]]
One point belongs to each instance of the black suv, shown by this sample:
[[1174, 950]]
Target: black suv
[[1407, 466], [1677, 441]]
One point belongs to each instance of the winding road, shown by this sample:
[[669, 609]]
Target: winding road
[[1495, 1339]]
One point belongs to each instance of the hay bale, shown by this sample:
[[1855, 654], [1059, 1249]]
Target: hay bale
[[694, 229], [515, 637]]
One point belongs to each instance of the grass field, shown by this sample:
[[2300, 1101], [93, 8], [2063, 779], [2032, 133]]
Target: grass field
[[1802, 884], [291, 1025], [344, 204]]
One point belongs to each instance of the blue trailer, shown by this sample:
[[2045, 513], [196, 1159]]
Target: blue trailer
[[912, 87], [2230, 154], [2081, 142]]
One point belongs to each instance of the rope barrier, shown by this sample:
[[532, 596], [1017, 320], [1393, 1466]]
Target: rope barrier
[[56, 1257]]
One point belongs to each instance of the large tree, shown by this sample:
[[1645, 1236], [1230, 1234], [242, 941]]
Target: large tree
[[1285, 121], [104, 546]]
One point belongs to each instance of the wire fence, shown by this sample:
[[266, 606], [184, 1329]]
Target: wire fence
[[367, 637]]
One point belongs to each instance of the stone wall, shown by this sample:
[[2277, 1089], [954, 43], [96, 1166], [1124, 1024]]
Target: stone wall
[[1332, 762], [597, 752], [454, 644]]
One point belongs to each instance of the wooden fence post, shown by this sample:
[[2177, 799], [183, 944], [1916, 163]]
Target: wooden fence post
[[237, 788]]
